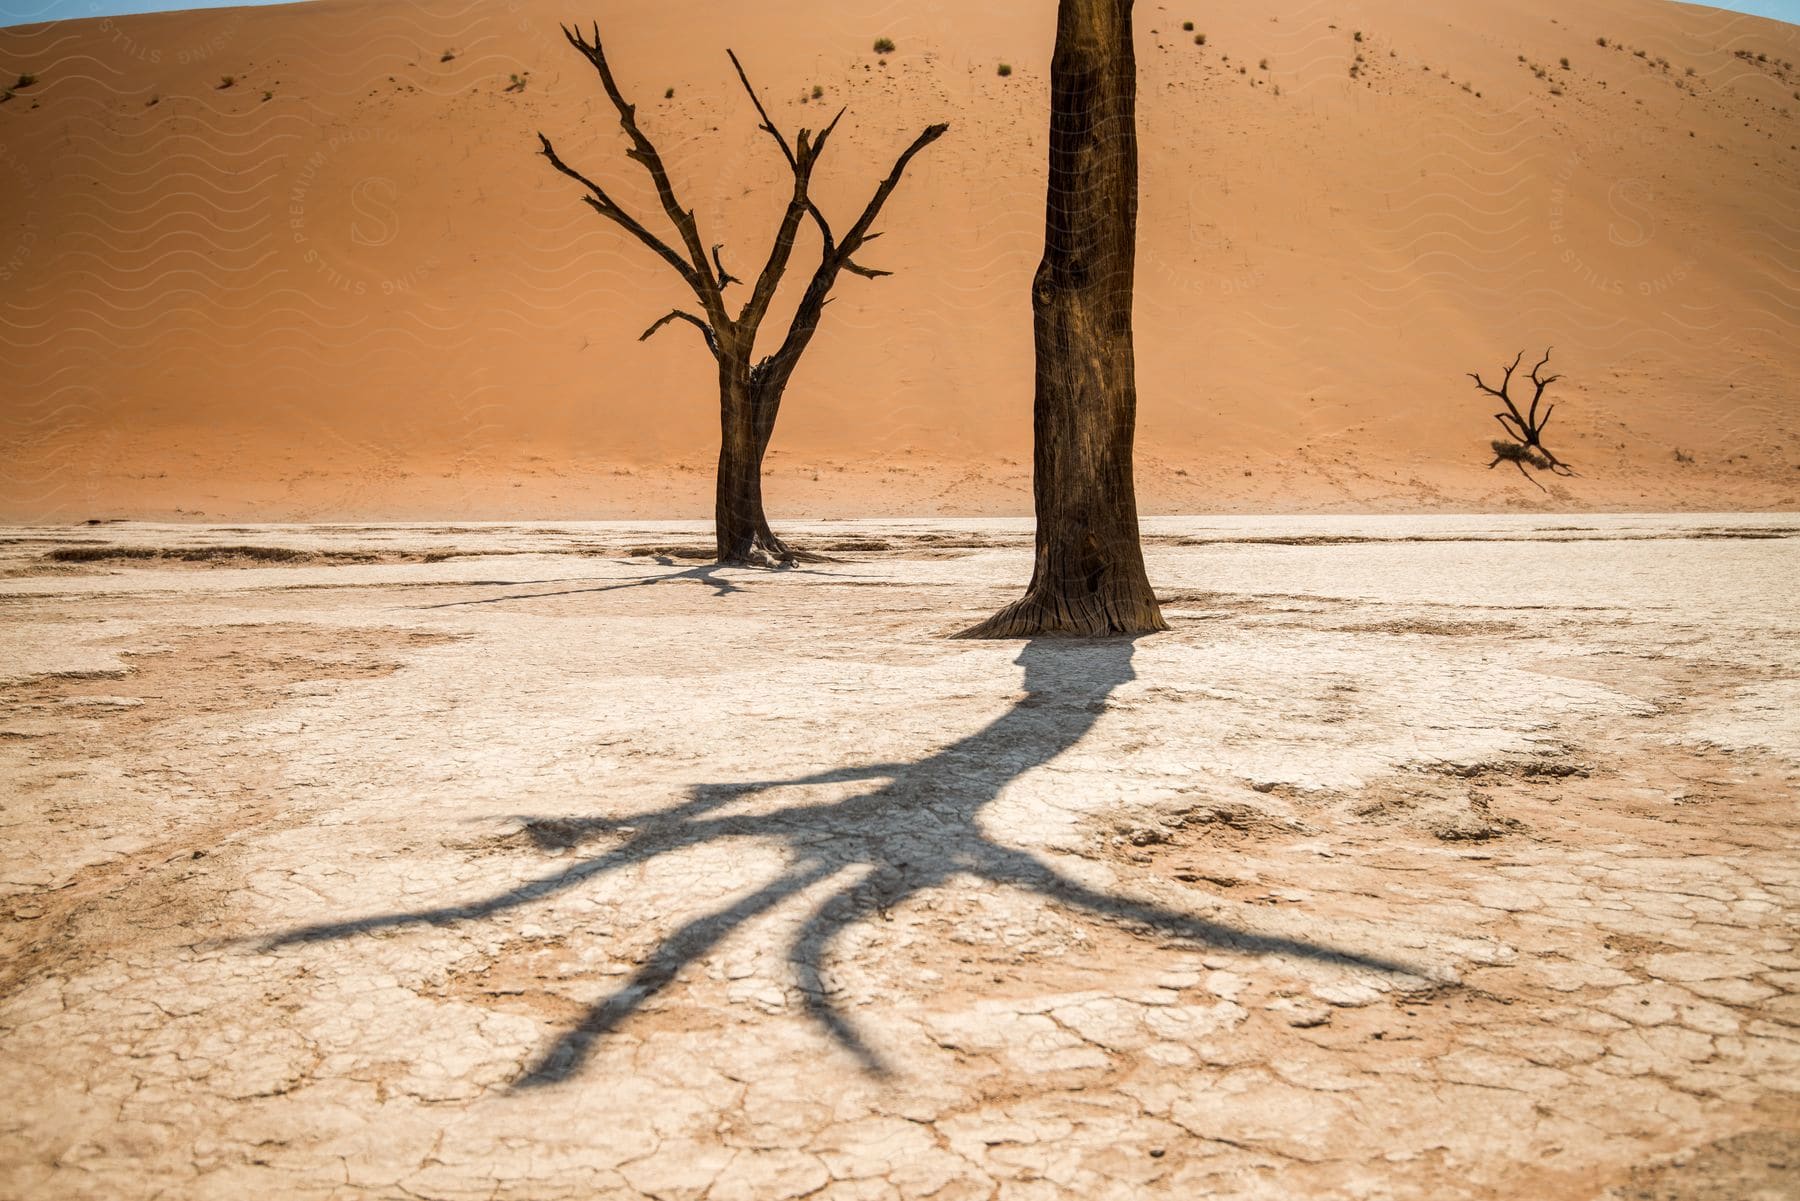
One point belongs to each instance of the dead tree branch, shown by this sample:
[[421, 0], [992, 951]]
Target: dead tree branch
[[706, 331], [726, 278], [603, 204], [643, 151]]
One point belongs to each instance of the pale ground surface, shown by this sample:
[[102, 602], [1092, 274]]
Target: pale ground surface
[[1423, 858]]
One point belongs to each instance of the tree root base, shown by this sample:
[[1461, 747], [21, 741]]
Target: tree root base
[[1036, 616], [771, 552]]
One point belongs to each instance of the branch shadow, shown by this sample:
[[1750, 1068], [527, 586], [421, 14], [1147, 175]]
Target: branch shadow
[[706, 573], [916, 828]]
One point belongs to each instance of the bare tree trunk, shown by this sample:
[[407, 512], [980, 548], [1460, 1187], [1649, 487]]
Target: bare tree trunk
[[737, 512], [764, 386], [1089, 577], [747, 410]]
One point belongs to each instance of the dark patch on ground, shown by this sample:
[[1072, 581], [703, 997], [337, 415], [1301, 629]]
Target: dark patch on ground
[[689, 554], [1760, 1165], [237, 556]]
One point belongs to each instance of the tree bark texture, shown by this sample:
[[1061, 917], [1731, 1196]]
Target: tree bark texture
[[1088, 578]]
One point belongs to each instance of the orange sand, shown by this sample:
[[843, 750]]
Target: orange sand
[[343, 286]]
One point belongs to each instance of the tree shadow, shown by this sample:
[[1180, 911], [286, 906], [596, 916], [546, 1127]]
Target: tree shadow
[[918, 827], [706, 573]]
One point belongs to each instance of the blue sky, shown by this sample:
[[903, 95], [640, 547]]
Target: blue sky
[[20, 12]]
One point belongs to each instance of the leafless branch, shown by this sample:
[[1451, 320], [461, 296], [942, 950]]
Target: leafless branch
[[859, 233], [644, 152], [706, 331], [726, 278], [802, 156], [1539, 394], [768, 124], [603, 204]]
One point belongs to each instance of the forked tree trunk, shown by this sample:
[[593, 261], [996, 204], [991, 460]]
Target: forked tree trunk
[[1089, 576], [749, 402]]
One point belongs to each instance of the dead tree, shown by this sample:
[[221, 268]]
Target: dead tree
[[1088, 578], [750, 388], [1523, 445]]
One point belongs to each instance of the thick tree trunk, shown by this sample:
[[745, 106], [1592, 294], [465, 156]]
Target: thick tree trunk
[[1089, 577], [737, 511], [746, 422]]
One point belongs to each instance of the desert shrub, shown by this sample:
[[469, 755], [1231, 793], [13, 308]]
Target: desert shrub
[[1199, 39], [818, 92], [1512, 452], [226, 81], [1600, 42], [1565, 62], [446, 56], [1188, 26], [1004, 70], [25, 81], [1263, 65], [669, 94], [884, 45]]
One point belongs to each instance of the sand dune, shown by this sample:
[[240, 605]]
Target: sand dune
[[342, 284]]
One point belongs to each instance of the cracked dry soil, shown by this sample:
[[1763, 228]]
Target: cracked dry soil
[[1422, 859]]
